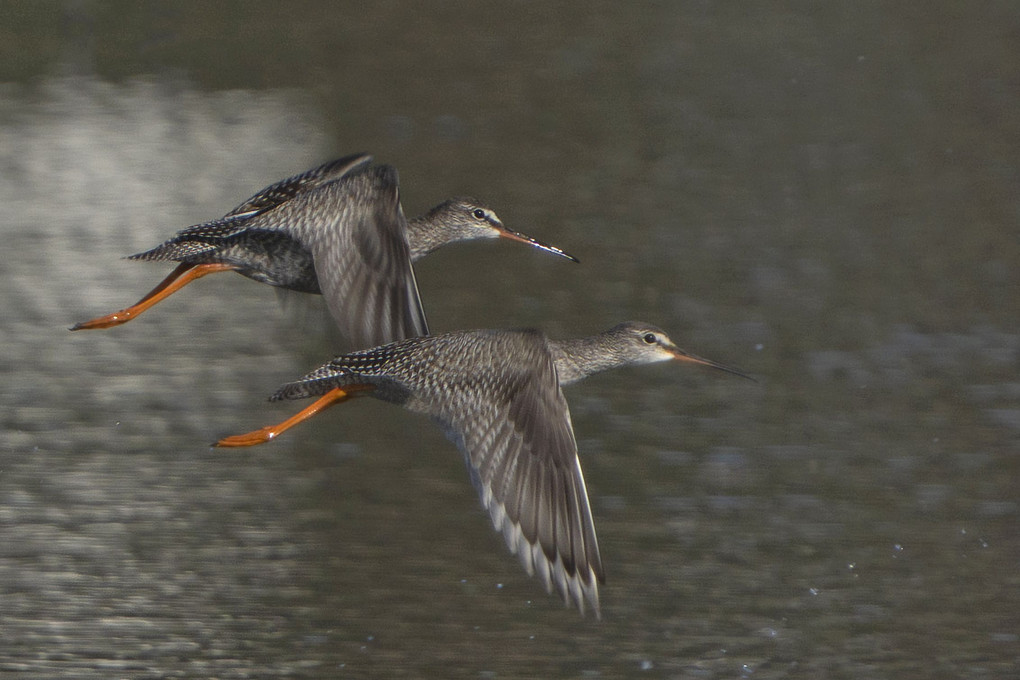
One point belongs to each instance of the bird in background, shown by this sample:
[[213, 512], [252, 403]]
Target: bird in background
[[497, 395], [337, 230]]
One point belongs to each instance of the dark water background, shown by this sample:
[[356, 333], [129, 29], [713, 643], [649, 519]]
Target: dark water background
[[824, 194]]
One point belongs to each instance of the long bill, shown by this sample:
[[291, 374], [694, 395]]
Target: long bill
[[522, 238], [270, 432], [682, 355]]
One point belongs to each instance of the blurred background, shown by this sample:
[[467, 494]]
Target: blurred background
[[824, 195]]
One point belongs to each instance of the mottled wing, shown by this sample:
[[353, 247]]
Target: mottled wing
[[363, 262], [497, 396], [286, 189], [519, 443]]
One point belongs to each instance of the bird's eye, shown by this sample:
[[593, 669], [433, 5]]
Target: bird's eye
[[650, 338], [478, 214]]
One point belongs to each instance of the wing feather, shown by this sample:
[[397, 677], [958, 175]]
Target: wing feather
[[498, 398], [286, 189], [206, 238], [364, 263], [520, 445]]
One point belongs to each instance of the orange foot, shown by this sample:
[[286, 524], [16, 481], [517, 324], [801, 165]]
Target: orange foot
[[265, 434], [181, 276]]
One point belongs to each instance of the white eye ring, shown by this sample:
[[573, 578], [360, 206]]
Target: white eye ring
[[650, 338]]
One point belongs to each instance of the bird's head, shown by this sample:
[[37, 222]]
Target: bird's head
[[467, 219], [644, 344]]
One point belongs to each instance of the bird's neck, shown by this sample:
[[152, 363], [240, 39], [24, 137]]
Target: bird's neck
[[430, 232], [578, 358], [420, 237]]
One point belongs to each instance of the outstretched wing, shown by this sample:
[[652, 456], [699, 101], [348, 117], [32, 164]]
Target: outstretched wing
[[519, 443], [362, 259], [497, 396], [286, 189]]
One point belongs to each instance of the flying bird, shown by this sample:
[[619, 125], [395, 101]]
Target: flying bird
[[338, 230], [497, 394]]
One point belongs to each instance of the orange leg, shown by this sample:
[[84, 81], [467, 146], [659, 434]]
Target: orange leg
[[181, 276], [265, 434]]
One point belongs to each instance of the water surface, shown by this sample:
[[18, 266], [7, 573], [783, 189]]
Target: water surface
[[822, 196]]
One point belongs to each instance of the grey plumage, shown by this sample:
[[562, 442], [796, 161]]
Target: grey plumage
[[266, 251], [497, 395], [339, 230]]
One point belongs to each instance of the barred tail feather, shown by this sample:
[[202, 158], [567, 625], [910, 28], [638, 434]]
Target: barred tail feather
[[174, 251]]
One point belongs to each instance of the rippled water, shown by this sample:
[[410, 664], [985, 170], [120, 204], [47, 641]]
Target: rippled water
[[825, 198]]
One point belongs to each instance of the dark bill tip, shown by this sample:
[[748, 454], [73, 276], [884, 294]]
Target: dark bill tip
[[521, 238]]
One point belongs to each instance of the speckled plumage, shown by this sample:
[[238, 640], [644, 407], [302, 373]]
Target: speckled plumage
[[339, 230], [497, 395], [266, 253]]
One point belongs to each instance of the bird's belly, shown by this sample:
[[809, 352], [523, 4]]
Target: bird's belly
[[285, 266]]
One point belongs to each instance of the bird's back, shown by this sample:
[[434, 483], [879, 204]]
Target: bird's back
[[285, 190], [262, 245], [435, 370]]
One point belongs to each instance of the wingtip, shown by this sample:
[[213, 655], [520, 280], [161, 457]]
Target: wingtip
[[578, 585]]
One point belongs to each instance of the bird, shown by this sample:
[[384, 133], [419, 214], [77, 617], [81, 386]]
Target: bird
[[337, 230], [497, 395]]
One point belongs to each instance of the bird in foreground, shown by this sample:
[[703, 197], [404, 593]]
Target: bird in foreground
[[497, 395], [338, 230]]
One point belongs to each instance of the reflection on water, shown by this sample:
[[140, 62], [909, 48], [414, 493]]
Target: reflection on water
[[853, 515]]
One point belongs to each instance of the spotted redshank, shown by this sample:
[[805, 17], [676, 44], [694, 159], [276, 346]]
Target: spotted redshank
[[497, 395], [337, 229]]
